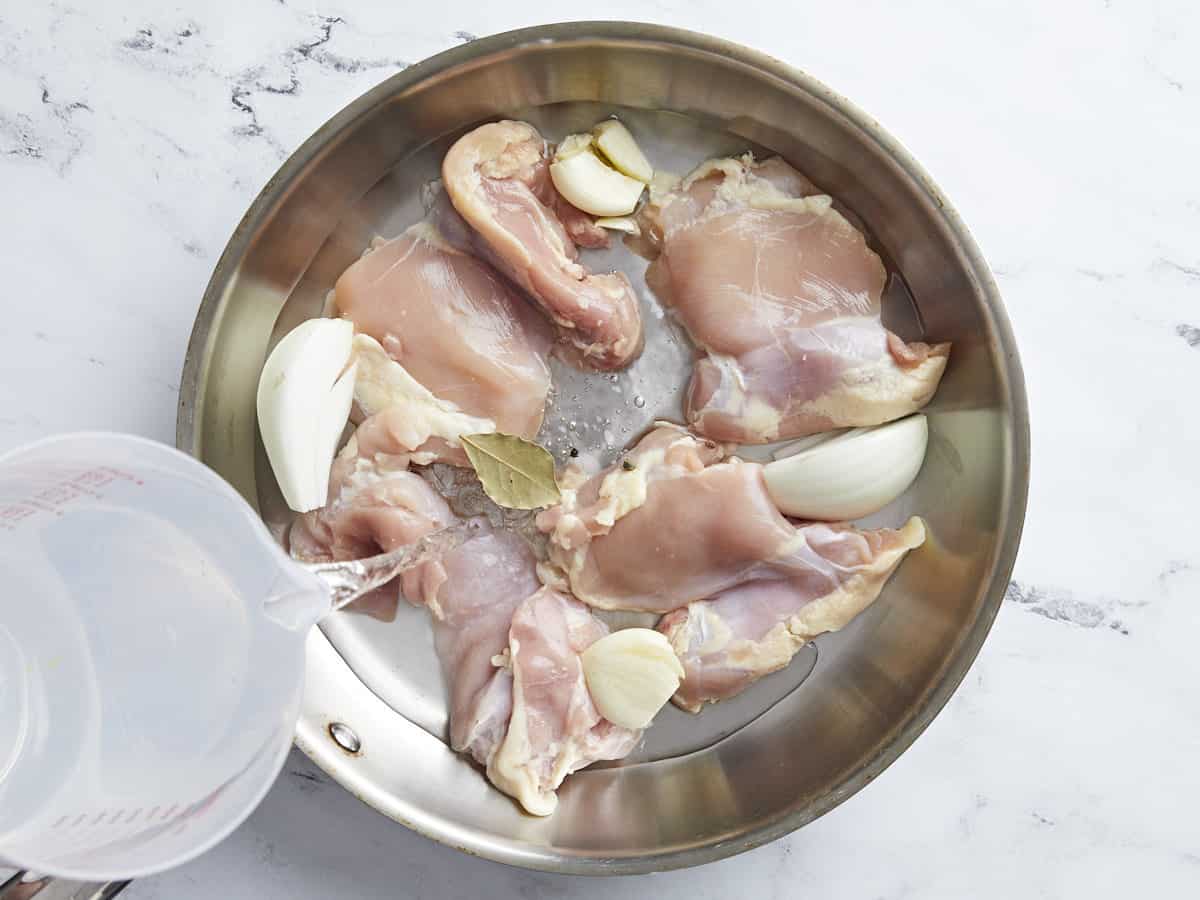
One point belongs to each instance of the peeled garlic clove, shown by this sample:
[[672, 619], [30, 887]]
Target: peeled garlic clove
[[627, 224], [587, 183], [620, 149], [304, 396], [631, 674], [851, 475]]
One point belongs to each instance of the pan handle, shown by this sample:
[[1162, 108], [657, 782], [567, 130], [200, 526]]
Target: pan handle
[[24, 886]]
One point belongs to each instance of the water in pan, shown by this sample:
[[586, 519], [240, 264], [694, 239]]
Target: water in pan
[[595, 414]]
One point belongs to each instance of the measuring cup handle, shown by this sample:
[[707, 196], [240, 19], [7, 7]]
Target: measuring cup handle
[[20, 887]]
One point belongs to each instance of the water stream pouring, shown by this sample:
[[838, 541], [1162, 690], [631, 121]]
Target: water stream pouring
[[151, 653]]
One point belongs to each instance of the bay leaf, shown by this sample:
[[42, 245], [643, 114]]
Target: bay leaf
[[514, 472]]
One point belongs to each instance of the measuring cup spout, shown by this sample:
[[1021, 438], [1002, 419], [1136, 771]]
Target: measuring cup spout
[[298, 608]]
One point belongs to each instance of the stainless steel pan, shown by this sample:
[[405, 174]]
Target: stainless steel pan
[[787, 752]]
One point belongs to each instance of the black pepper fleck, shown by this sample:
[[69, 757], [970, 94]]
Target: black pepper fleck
[[573, 453]]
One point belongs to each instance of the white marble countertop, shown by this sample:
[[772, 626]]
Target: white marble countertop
[[134, 135]]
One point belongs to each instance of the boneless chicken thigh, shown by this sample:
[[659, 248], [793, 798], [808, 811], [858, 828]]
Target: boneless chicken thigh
[[830, 574], [376, 504], [782, 295], [510, 653], [472, 599], [675, 528], [496, 177], [454, 325], [668, 525], [444, 347], [509, 650], [555, 728]]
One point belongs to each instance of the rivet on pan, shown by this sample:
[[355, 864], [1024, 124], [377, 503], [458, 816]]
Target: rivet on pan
[[344, 737]]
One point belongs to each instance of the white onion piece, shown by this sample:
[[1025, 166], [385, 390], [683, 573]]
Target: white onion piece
[[850, 475], [304, 396]]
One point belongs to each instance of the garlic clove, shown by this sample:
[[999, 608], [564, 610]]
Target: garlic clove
[[627, 224], [850, 475], [618, 146], [587, 183], [304, 396], [631, 674]]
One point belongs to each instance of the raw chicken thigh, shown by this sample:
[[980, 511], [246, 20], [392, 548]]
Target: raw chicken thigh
[[481, 584], [444, 348], [375, 505], [555, 729], [676, 530], [659, 529], [510, 653], [454, 325], [832, 573], [508, 649], [782, 295], [673, 525], [497, 179]]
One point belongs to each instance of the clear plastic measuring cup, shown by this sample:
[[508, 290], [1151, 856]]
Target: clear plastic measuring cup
[[151, 655]]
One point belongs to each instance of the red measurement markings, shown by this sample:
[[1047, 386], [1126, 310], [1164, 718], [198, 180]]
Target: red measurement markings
[[115, 473], [57, 495], [52, 498], [92, 478], [15, 513]]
